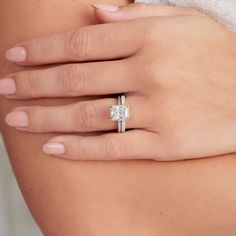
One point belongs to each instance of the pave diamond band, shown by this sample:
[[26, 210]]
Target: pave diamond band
[[120, 113]]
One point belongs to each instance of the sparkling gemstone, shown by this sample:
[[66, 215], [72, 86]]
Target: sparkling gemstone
[[119, 112]]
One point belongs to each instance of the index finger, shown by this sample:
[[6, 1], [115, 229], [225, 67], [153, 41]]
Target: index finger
[[89, 43]]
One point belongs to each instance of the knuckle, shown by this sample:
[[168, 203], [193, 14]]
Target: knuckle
[[27, 86], [73, 80], [40, 51], [171, 28], [176, 136], [87, 117], [113, 149], [159, 73], [80, 150], [77, 43], [150, 74], [39, 119]]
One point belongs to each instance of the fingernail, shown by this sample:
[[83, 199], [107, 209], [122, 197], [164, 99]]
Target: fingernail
[[54, 148], [106, 7], [16, 54], [7, 86], [17, 119]]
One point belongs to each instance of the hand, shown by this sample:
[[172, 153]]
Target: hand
[[175, 66]]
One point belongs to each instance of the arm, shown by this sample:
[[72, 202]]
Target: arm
[[97, 198]]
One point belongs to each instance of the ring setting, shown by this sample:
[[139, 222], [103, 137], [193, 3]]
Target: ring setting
[[120, 113]]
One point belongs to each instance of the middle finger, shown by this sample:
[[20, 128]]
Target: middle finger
[[72, 80]]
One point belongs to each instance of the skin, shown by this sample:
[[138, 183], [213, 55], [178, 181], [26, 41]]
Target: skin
[[107, 198], [176, 62]]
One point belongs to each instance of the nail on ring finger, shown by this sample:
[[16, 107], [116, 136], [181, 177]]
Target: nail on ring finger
[[86, 116]]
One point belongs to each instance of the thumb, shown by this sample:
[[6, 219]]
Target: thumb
[[111, 13]]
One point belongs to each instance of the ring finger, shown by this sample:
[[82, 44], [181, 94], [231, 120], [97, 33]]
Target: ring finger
[[86, 116]]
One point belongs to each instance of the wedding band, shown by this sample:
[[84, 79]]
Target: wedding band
[[120, 113]]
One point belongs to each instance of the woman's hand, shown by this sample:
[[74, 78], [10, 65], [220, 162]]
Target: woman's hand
[[175, 66]]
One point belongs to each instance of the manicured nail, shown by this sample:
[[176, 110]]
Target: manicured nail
[[106, 7], [16, 54], [7, 86], [17, 119], [54, 148]]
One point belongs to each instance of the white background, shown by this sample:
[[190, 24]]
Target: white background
[[15, 219]]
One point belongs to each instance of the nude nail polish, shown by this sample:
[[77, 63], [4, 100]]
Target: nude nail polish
[[16, 54], [17, 119], [54, 148], [106, 7], [7, 86]]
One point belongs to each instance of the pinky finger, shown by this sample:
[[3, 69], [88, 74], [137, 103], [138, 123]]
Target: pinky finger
[[135, 144]]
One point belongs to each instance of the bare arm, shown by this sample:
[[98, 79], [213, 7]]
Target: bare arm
[[100, 198]]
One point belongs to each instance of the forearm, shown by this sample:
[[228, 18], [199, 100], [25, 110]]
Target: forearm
[[115, 198]]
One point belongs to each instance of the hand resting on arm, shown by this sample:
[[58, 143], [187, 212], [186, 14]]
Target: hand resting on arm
[[180, 90], [106, 198]]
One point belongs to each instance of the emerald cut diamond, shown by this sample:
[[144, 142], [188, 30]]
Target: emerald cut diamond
[[119, 113]]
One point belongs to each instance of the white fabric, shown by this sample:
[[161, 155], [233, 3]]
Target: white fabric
[[223, 11]]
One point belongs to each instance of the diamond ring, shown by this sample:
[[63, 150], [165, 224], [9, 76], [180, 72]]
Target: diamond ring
[[120, 113]]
